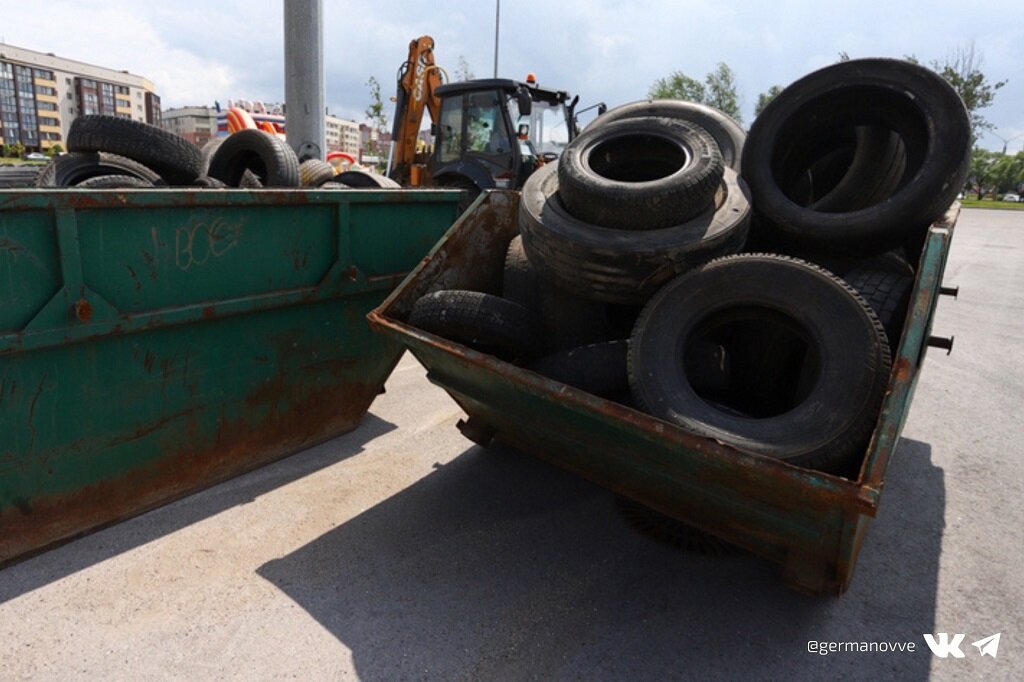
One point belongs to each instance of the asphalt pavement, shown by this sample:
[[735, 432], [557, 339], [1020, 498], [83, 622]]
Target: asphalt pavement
[[402, 551]]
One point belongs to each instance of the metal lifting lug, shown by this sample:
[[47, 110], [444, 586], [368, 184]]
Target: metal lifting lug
[[942, 342], [950, 291]]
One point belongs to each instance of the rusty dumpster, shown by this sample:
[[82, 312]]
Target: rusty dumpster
[[153, 342], [810, 522]]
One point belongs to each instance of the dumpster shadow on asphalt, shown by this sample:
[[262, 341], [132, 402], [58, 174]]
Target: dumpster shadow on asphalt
[[498, 565], [93, 548]]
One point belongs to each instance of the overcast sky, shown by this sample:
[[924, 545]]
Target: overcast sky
[[611, 51]]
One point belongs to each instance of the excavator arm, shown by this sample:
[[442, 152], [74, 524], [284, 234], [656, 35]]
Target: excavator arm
[[418, 78]]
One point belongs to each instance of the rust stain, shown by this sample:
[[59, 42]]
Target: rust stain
[[32, 413], [83, 310], [237, 447], [209, 311], [902, 370], [135, 278]]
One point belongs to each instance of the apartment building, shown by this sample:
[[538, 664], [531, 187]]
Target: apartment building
[[41, 93], [195, 124], [342, 135]]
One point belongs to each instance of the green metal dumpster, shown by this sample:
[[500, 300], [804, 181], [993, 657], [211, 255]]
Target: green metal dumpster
[[809, 522], [155, 342]]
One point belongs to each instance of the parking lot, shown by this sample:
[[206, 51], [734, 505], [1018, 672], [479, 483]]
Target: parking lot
[[402, 551]]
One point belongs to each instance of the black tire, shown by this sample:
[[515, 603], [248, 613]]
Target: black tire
[[208, 150], [795, 128], [806, 382], [891, 262], [174, 158], [19, 176], [481, 321], [624, 266], [519, 280], [249, 180], [567, 321], [267, 156], [597, 368], [639, 174], [570, 321], [727, 133], [114, 182], [207, 182], [73, 168], [314, 173], [471, 189], [878, 164], [358, 179], [888, 295]]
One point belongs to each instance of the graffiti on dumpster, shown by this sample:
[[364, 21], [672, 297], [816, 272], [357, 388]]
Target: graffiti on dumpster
[[195, 244]]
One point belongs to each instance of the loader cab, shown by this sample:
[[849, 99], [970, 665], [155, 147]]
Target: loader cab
[[492, 133]]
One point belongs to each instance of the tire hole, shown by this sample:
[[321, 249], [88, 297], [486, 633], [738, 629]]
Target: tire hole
[[638, 158], [751, 362]]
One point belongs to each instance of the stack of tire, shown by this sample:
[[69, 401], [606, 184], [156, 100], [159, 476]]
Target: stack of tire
[[647, 272], [108, 152]]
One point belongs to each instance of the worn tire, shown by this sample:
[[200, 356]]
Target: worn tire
[[174, 158], [913, 102], [19, 176], [266, 156], [357, 179], [875, 171], [624, 266], [481, 321], [114, 182], [825, 366], [206, 182], [727, 133], [567, 321], [73, 168], [888, 294], [597, 368], [639, 174], [519, 280], [208, 150], [314, 173], [891, 262]]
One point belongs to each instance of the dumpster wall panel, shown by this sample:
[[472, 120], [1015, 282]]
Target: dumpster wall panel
[[29, 267], [217, 253], [138, 375]]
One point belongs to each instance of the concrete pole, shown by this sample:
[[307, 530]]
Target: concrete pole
[[305, 109], [497, 23]]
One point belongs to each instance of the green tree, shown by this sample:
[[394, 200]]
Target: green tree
[[980, 177], [962, 69], [54, 150], [1007, 172], [718, 89], [19, 150], [8, 150], [377, 117], [765, 97]]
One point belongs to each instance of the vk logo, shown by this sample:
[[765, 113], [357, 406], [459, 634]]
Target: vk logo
[[943, 646]]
